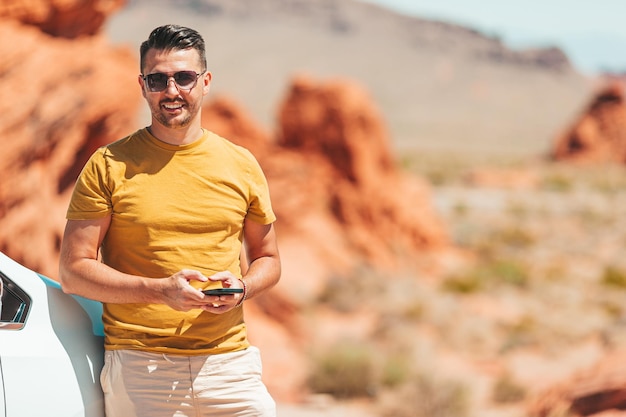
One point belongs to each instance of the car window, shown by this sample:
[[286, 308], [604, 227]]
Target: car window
[[14, 304]]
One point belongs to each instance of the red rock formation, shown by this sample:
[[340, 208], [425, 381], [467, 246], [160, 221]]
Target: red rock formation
[[61, 18], [62, 99], [228, 119], [333, 162], [599, 134], [381, 210], [599, 391], [337, 120]]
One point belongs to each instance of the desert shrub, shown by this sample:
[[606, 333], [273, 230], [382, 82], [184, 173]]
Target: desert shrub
[[346, 293], [467, 283], [505, 240], [460, 209], [437, 170], [614, 277], [522, 333], [506, 390], [517, 210], [339, 295], [613, 310], [364, 288], [594, 217], [414, 312], [509, 272], [503, 271], [346, 370], [426, 396], [608, 180], [558, 411], [557, 182], [516, 237], [396, 370]]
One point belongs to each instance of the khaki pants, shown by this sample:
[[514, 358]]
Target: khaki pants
[[141, 384]]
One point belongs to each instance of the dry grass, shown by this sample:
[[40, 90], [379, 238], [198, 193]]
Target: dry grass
[[549, 275]]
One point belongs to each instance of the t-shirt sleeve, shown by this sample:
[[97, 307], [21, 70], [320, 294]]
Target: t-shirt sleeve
[[91, 198], [260, 208]]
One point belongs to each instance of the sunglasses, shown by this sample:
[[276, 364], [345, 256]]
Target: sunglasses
[[184, 80]]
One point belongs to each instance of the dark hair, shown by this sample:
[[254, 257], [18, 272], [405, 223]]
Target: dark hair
[[168, 37]]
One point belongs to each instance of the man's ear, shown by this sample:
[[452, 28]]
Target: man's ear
[[206, 82], [142, 85]]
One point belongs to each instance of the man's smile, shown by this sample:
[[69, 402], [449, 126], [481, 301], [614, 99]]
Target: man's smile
[[173, 106]]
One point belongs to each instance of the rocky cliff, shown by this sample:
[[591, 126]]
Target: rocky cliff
[[598, 134], [62, 18], [66, 92]]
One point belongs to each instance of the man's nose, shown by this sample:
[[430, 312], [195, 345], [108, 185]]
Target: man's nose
[[171, 86]]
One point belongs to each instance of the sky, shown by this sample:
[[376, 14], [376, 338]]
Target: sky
[[591, 33]]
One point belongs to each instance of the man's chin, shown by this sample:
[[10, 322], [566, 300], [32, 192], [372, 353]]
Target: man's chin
[[175, 123]]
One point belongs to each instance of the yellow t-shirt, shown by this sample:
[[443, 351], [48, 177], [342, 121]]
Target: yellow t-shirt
[[172, 207]]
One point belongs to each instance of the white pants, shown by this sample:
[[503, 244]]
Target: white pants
[[141, 384]]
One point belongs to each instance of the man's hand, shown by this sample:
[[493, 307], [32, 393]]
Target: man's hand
[[180, 295], [219, 304]]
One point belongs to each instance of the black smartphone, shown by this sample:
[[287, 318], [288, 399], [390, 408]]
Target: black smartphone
[[223, 291]]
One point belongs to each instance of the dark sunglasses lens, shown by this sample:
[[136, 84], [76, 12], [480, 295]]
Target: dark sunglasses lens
[[185, 78], [157, 82]]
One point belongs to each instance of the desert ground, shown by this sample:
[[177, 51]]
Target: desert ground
[[542, 300]]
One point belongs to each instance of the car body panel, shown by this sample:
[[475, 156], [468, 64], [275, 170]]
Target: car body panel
[[2, 413], [51, 365]]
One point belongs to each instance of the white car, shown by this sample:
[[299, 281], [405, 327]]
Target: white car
[[51, 348]]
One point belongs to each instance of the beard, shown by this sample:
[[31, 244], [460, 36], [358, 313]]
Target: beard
[[178, 121]]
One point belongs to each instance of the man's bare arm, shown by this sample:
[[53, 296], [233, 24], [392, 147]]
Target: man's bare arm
[[81, 273], [263, 269]]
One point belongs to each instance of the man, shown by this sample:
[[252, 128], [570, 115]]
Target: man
[[154, 219]]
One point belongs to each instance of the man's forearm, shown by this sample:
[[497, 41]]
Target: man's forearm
[[92, 279], [262, 274]]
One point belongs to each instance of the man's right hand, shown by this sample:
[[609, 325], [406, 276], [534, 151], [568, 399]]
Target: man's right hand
[[180, 295]]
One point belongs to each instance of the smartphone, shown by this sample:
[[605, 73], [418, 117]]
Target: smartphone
[[223, 291]]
